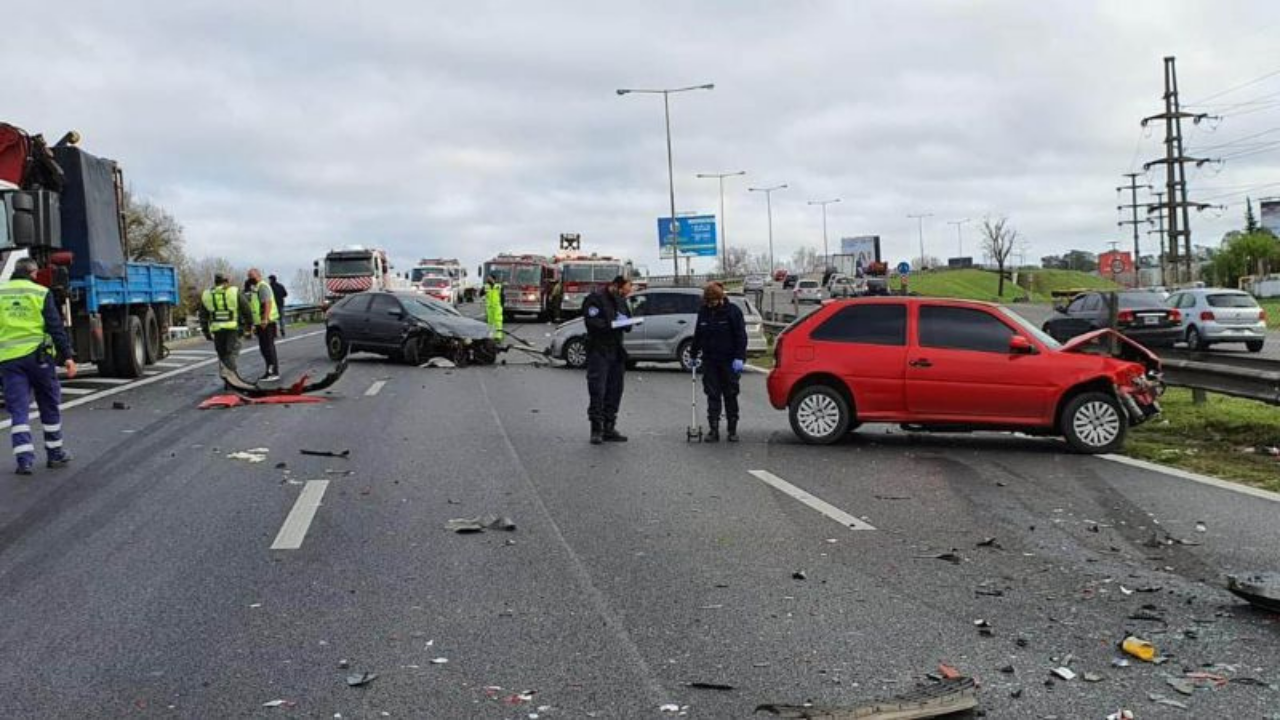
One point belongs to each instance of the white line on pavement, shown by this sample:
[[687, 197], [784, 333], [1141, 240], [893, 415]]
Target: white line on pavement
[[77, 391], [169, 364], [1194, 477], [97, 380], [816, 503], [375, 388], [155, 379], [294, 530]]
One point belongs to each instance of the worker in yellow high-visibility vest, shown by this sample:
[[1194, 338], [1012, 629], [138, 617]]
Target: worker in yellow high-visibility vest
[[266, 316], [33, 342], [493, 307], [224, 311]]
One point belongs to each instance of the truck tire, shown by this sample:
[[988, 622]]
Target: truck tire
[[150, 334], [129, 349]]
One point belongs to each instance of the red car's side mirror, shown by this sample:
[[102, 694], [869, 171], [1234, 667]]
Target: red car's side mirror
[[1019, 345]]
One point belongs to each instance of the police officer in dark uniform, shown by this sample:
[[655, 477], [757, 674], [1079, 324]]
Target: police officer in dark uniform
[[720, 343], [606, 358]]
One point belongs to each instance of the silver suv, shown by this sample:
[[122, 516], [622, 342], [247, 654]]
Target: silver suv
[[666, 335], [1220, 315]]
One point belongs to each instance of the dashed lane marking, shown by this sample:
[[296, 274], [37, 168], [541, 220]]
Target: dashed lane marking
[[294, 529], [169, 364], [77, 391], [812, 501], [96, 380], [375, 388]]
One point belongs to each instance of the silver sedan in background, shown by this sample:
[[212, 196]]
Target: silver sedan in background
[[1220, 315]]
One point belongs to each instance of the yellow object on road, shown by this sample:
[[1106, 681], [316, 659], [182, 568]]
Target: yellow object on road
[[1139, 648]]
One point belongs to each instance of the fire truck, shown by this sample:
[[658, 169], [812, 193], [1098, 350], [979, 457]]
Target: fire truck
[[528, 283], [581, 274], [426, 276], [353, 269]]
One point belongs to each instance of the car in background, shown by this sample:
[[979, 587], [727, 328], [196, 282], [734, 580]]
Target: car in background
[[1218, 315], [754, 283], [1140, 315], [666, 335], [808, 290], [957, 365], [444, 289], [789, 281], [406, 327], [780, 275], [843, 286]]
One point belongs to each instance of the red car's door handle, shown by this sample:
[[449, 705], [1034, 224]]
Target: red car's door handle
[[921, 363]]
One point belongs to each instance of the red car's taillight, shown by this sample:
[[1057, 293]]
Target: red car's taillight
[[1206, 316]]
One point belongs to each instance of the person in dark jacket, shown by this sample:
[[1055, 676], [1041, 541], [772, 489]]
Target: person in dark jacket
[[720, 344], [278, 290], [602, 313]]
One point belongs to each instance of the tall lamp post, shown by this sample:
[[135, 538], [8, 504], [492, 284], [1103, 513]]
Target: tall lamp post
[[768, 199], [921, 217], [674, 228], [826, 256], [724, 224], [959, 237]]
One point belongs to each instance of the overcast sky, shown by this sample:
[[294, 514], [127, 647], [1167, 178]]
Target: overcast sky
[[276, 130]]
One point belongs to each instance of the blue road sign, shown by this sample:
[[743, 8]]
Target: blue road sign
[[904, 268], [696, 236]]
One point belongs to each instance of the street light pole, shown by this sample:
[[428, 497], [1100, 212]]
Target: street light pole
[[826, 255], [959, 237], [768, 199], [921, 217], [674, 227], [724, 224]]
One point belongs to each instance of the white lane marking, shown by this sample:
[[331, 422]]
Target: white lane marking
[[1194, 477], [204, 353], [168, 364], [816, 503], [97, 380], [294, 529], [189, 355], [77, 391], [164, 376], [150, 373], [375, 388]]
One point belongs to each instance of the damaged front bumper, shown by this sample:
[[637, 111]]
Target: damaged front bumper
[[1140, 398]]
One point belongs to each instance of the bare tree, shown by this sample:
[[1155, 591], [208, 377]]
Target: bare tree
[[306, 287], [151, 233], [806, 259], [734, 261], [196, 276], [998, 240]]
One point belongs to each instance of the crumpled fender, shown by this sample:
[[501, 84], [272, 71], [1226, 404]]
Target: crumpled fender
[[1127, 349], [299, 387]]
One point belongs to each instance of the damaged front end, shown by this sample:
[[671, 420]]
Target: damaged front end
[[460, 340], [1137, 378]]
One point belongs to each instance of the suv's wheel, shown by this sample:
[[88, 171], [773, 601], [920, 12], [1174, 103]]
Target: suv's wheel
[[1194, 341], [684, 353], [1254, 345], [575, 353], [1094, 422], [820, 415], [336, 345]]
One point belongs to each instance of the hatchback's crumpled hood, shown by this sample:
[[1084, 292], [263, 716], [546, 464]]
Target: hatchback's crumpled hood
[[1126, 348], [462, 328]]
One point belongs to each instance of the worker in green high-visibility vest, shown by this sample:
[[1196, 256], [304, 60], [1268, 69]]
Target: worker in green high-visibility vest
[[493, 306], [266, 316]]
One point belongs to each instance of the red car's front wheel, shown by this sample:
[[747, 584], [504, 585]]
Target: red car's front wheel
[[1094, 423]]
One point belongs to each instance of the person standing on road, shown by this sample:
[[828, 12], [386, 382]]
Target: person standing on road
[[720, 346], [606, 358], [493, 306], [33, 342], [279, 293], [224, 311], [265, 314]]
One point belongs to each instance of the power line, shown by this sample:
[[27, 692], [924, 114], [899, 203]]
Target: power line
[[1237, 141], [1241, 86]]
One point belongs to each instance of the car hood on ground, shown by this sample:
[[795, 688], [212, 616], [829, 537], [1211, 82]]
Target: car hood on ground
[[462, 328], [1126, 349]]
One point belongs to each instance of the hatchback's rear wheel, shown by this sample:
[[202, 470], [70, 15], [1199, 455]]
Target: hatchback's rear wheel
[[820, 415], [1094, 423], [1254, 345]]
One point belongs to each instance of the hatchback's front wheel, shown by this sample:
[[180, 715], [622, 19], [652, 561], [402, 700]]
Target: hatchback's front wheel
[[820, 415], [1094, 423]]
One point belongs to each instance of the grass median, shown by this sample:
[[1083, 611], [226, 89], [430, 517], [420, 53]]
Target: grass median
[[1225, 437]]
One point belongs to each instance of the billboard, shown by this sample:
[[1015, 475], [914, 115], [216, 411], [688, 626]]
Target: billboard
[[697, 236], [1115, 263], [1269, 214], [865, 249]]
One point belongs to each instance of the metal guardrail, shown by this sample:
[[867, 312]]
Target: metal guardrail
[[297, 313]]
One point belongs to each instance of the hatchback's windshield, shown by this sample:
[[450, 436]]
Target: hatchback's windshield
[[1232, 300], [1030, 329], [425, 307], [348, 267]]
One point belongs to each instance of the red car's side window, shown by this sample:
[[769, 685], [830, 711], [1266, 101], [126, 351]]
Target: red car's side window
[[957, 328], [879, 324]]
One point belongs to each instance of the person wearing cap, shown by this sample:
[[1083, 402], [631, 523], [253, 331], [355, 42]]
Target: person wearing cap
[[280, 293], [604, 313], [33, 342], [224, 314], [720, 349]]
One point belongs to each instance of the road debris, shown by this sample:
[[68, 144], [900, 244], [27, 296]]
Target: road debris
[[709, 686], [1147, 615], [279, 703], [345, 454], [928, 701], [669, 708], [952, 557], [344, 664], [1139, 648], [440, 661], [984, 628], [255, 455], [1258, 589], [1181, 685], [1121, 715], [467, 526], [361, 679], [1092, 677], [1064, 672], [117, 405], [1162, 700], [439, 362], [990, 542], [799, 575]]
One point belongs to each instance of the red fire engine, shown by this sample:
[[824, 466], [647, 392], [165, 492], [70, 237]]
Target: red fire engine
[[528, 282]]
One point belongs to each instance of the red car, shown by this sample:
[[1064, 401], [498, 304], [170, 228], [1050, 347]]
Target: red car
[[956, 365]]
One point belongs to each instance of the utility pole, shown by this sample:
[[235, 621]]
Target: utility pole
[[959, 237], [724, 224], [1157, 209], [768, 201], [826, 255], [921, 217], [1133, 205], [1174, 160]]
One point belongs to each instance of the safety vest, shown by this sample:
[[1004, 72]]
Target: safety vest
[[255, 304], [223, 304], [21, 318], [493, 296]]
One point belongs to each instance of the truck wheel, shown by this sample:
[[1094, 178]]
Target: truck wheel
[[130, 349], [1094, 423], [151, 335]]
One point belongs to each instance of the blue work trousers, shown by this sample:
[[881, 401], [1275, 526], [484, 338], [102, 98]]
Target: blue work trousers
[[34, 373]]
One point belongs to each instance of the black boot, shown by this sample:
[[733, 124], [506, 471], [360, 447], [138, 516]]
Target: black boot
[[611, 433], [596, 437], [733, 430], [713, 433]]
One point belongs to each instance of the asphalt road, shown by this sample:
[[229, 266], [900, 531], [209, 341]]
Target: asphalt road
[[142, 582]]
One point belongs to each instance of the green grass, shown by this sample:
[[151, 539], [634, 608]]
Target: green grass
[[1273, 311], [1038, 285], [1213, 438]]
